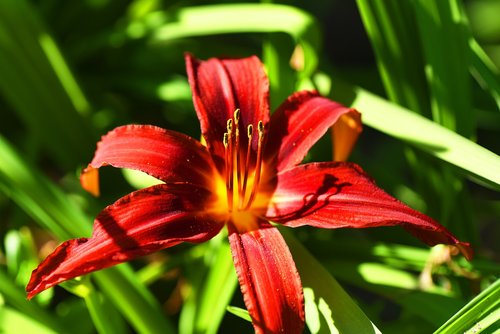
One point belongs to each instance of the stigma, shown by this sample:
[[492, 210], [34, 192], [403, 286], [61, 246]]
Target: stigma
[[242, 172]]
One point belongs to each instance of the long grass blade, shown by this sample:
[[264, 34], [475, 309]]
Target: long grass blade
[[480, 314], [53, 210], [474, 160]]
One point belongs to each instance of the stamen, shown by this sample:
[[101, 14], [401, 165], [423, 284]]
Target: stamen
[[247, 162], [229, 162], [233, 159], [236, 116], [229, 174], [258, 164]]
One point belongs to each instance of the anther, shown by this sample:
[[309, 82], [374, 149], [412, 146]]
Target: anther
[[228, 164], [260, 127], [249, 132]]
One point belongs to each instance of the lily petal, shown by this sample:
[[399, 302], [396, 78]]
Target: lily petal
[[334, 195], [140, 223], [219, 87], [167, 155], [297, 125], [345, 133], [268, 279]]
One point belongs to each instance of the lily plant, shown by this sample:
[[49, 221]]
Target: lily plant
[[245, 176]]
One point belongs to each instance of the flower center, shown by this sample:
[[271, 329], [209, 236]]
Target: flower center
[[242, 184]]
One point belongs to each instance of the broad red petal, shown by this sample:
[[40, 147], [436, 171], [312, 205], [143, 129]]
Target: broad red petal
[[333, 195], [138, 224], [167, 155], [219, 87], [297, 125], [268, 279]]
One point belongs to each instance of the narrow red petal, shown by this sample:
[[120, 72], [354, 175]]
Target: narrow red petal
[[297, 125], [268, 279], [138, 224], [334, 195], [167, 155], [219, 87]]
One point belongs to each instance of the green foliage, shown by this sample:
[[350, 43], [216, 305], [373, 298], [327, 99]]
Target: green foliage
[[480, 314], [71, 70]]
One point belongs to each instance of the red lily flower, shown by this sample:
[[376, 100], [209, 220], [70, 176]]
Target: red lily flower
[[245, 177]]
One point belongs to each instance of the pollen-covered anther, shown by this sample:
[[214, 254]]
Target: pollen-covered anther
[[242, 176]]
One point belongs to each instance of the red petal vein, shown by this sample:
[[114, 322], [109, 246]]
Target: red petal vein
[[268, 279], [334, 195], [297, 125], [140, 223], [167, 155], [221, 86]]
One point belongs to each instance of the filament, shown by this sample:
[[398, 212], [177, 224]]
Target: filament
[[233, 163]]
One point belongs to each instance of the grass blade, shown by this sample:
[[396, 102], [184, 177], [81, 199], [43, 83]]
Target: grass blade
[[391, 26], [485, 71], [246, 18], [52, 209], [16, 297], [324, 294], [479, 314], [443, 33], [38, 85], [474, 160]]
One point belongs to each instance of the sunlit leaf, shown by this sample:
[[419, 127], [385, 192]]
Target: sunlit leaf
[[475, 161], [480, 314], [328, 304]]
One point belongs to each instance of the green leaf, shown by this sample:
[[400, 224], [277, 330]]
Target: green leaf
[[246, 18], [139, 180], [40, 88], [394, 37], [328, 306], [56, 212], [212, 288], [485, 71], [16, 297], [443, 31], [239, 312], [105, 318], [217, 290], [474, 160], [433, 306], [480, 314], [14, 322]]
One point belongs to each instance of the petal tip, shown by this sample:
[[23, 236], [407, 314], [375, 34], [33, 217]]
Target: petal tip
[[90, 180], [345, 134], [466, 250]]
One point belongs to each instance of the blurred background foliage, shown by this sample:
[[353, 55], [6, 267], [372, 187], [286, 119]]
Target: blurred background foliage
[[423, 73]]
